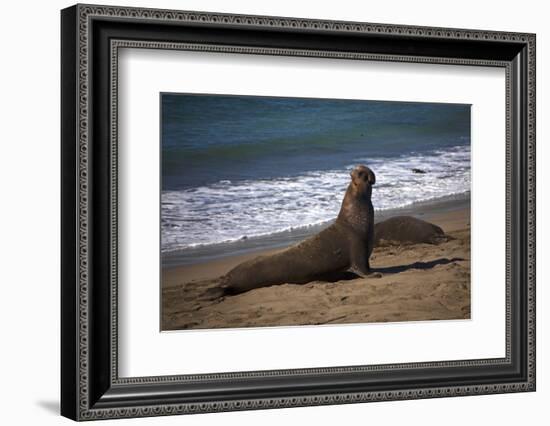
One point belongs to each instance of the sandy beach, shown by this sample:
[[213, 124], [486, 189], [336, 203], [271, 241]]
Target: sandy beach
[[419, 282]]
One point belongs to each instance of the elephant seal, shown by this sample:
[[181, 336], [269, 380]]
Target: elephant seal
[[407, 230], [345, 245]]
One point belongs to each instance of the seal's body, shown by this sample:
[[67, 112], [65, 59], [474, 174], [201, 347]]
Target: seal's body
[[408, 230], [346, 244]]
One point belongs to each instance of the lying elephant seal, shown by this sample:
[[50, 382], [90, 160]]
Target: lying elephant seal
[[408, 230], [345, 245]]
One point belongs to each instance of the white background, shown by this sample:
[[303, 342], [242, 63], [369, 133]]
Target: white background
[[29, 225], [146, 352]]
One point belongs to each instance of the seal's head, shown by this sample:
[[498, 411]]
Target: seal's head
[[362, 179]]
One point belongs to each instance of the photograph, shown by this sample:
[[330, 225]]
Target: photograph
[[284, 211], [264, 209]]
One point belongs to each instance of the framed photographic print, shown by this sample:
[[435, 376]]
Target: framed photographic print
[[263, 212]]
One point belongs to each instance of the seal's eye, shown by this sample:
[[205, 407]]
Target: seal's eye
[[360, 174]]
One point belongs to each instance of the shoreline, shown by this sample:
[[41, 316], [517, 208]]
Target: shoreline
[[242, 249], [451, 216]]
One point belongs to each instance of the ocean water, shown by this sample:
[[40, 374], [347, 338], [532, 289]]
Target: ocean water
[[236, 168]]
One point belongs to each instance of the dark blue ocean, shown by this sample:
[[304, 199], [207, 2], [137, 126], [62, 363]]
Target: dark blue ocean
[[237, 167]]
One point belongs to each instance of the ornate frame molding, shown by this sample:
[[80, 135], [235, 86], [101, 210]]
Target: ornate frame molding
[[87, 407]]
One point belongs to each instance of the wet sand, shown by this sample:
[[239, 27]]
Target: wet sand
[[419, 282]]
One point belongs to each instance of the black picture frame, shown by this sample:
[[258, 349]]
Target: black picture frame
[[90, 386]]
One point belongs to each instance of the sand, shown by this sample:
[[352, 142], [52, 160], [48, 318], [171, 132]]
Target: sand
[[419, 282]]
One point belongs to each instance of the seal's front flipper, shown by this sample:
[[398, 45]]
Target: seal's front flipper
[[359, 260]]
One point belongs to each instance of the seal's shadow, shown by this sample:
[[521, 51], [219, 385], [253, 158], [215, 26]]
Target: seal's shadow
[[417, 265], [347, 276]]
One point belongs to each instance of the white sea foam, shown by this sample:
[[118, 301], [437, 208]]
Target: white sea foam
[[230, 211]]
